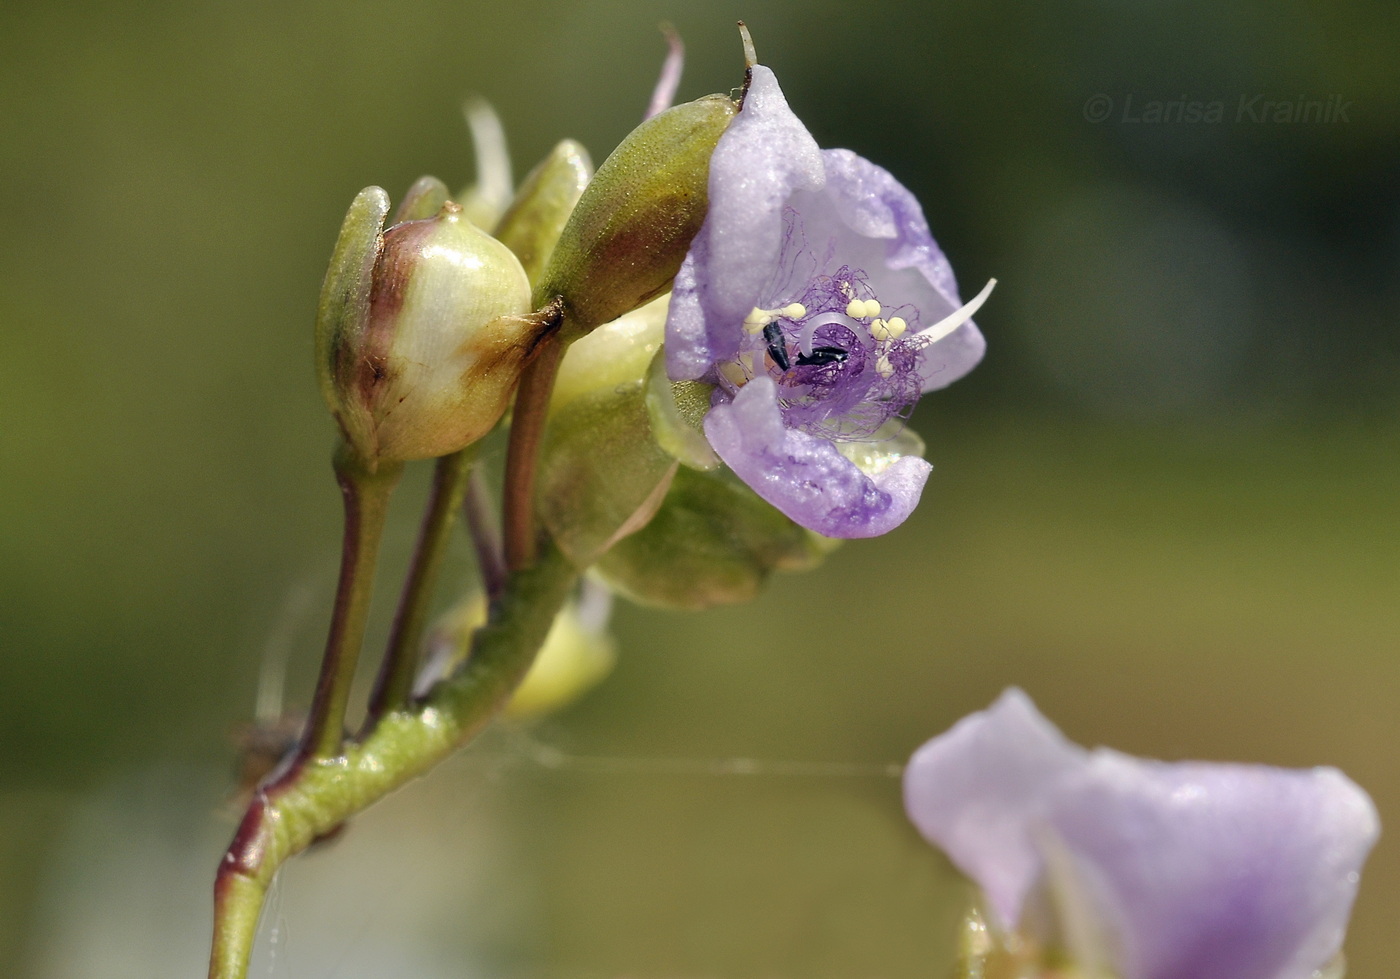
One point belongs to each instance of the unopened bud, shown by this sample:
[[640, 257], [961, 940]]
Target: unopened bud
[[535, 219], [627, 237], [422, 331]]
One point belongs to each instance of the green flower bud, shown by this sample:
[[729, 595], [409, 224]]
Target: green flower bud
[[535, 219], [626, 239], [712, 542], [422, 331], [601, 472]]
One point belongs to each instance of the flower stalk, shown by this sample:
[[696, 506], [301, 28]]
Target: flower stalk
[[523, 450], [395, 680], [318, 794], [366, 497], [485, 533]]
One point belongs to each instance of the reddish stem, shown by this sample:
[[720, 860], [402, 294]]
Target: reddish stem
[[523, 451], [366, 497]]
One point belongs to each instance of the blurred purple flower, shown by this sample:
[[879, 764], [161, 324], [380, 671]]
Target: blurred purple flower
[[816, 300], [1189, 870]]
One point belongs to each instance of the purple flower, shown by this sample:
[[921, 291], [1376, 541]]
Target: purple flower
[[1189, 870], [816, 300]]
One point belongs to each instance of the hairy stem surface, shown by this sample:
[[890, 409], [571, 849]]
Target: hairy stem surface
[[318, 794]]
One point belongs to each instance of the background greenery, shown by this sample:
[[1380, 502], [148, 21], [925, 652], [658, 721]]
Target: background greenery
[[1166, 505]]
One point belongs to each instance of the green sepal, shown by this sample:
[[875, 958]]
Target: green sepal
[[423, 200], [532, 224], [343, 309], [632, 227], [677, 411], [601, 474], [712, 542]]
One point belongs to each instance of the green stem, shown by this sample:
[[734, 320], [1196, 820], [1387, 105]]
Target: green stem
[[366, 496], [395, 680], [319, 794]]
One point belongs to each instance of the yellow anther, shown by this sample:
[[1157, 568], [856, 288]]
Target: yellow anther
[[872, 307], [895, 328], [855, 309], [757, 320], [890, 329]]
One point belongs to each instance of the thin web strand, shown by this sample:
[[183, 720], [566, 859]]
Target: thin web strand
[[553, 759]]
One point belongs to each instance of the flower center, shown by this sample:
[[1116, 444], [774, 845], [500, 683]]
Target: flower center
[[844, 362]]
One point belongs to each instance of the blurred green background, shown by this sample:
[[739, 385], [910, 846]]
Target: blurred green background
[[1168, 504]]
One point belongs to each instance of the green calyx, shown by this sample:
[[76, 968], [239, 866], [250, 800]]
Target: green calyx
[[423, 200], [628, 482]]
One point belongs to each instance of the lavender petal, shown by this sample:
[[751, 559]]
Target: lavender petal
[[1186, 870], [764, 156], [1217, 871], [892, 242], [978, 790], [805, 477]]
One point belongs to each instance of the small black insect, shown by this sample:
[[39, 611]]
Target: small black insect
[[777, 345], [821, 356]]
